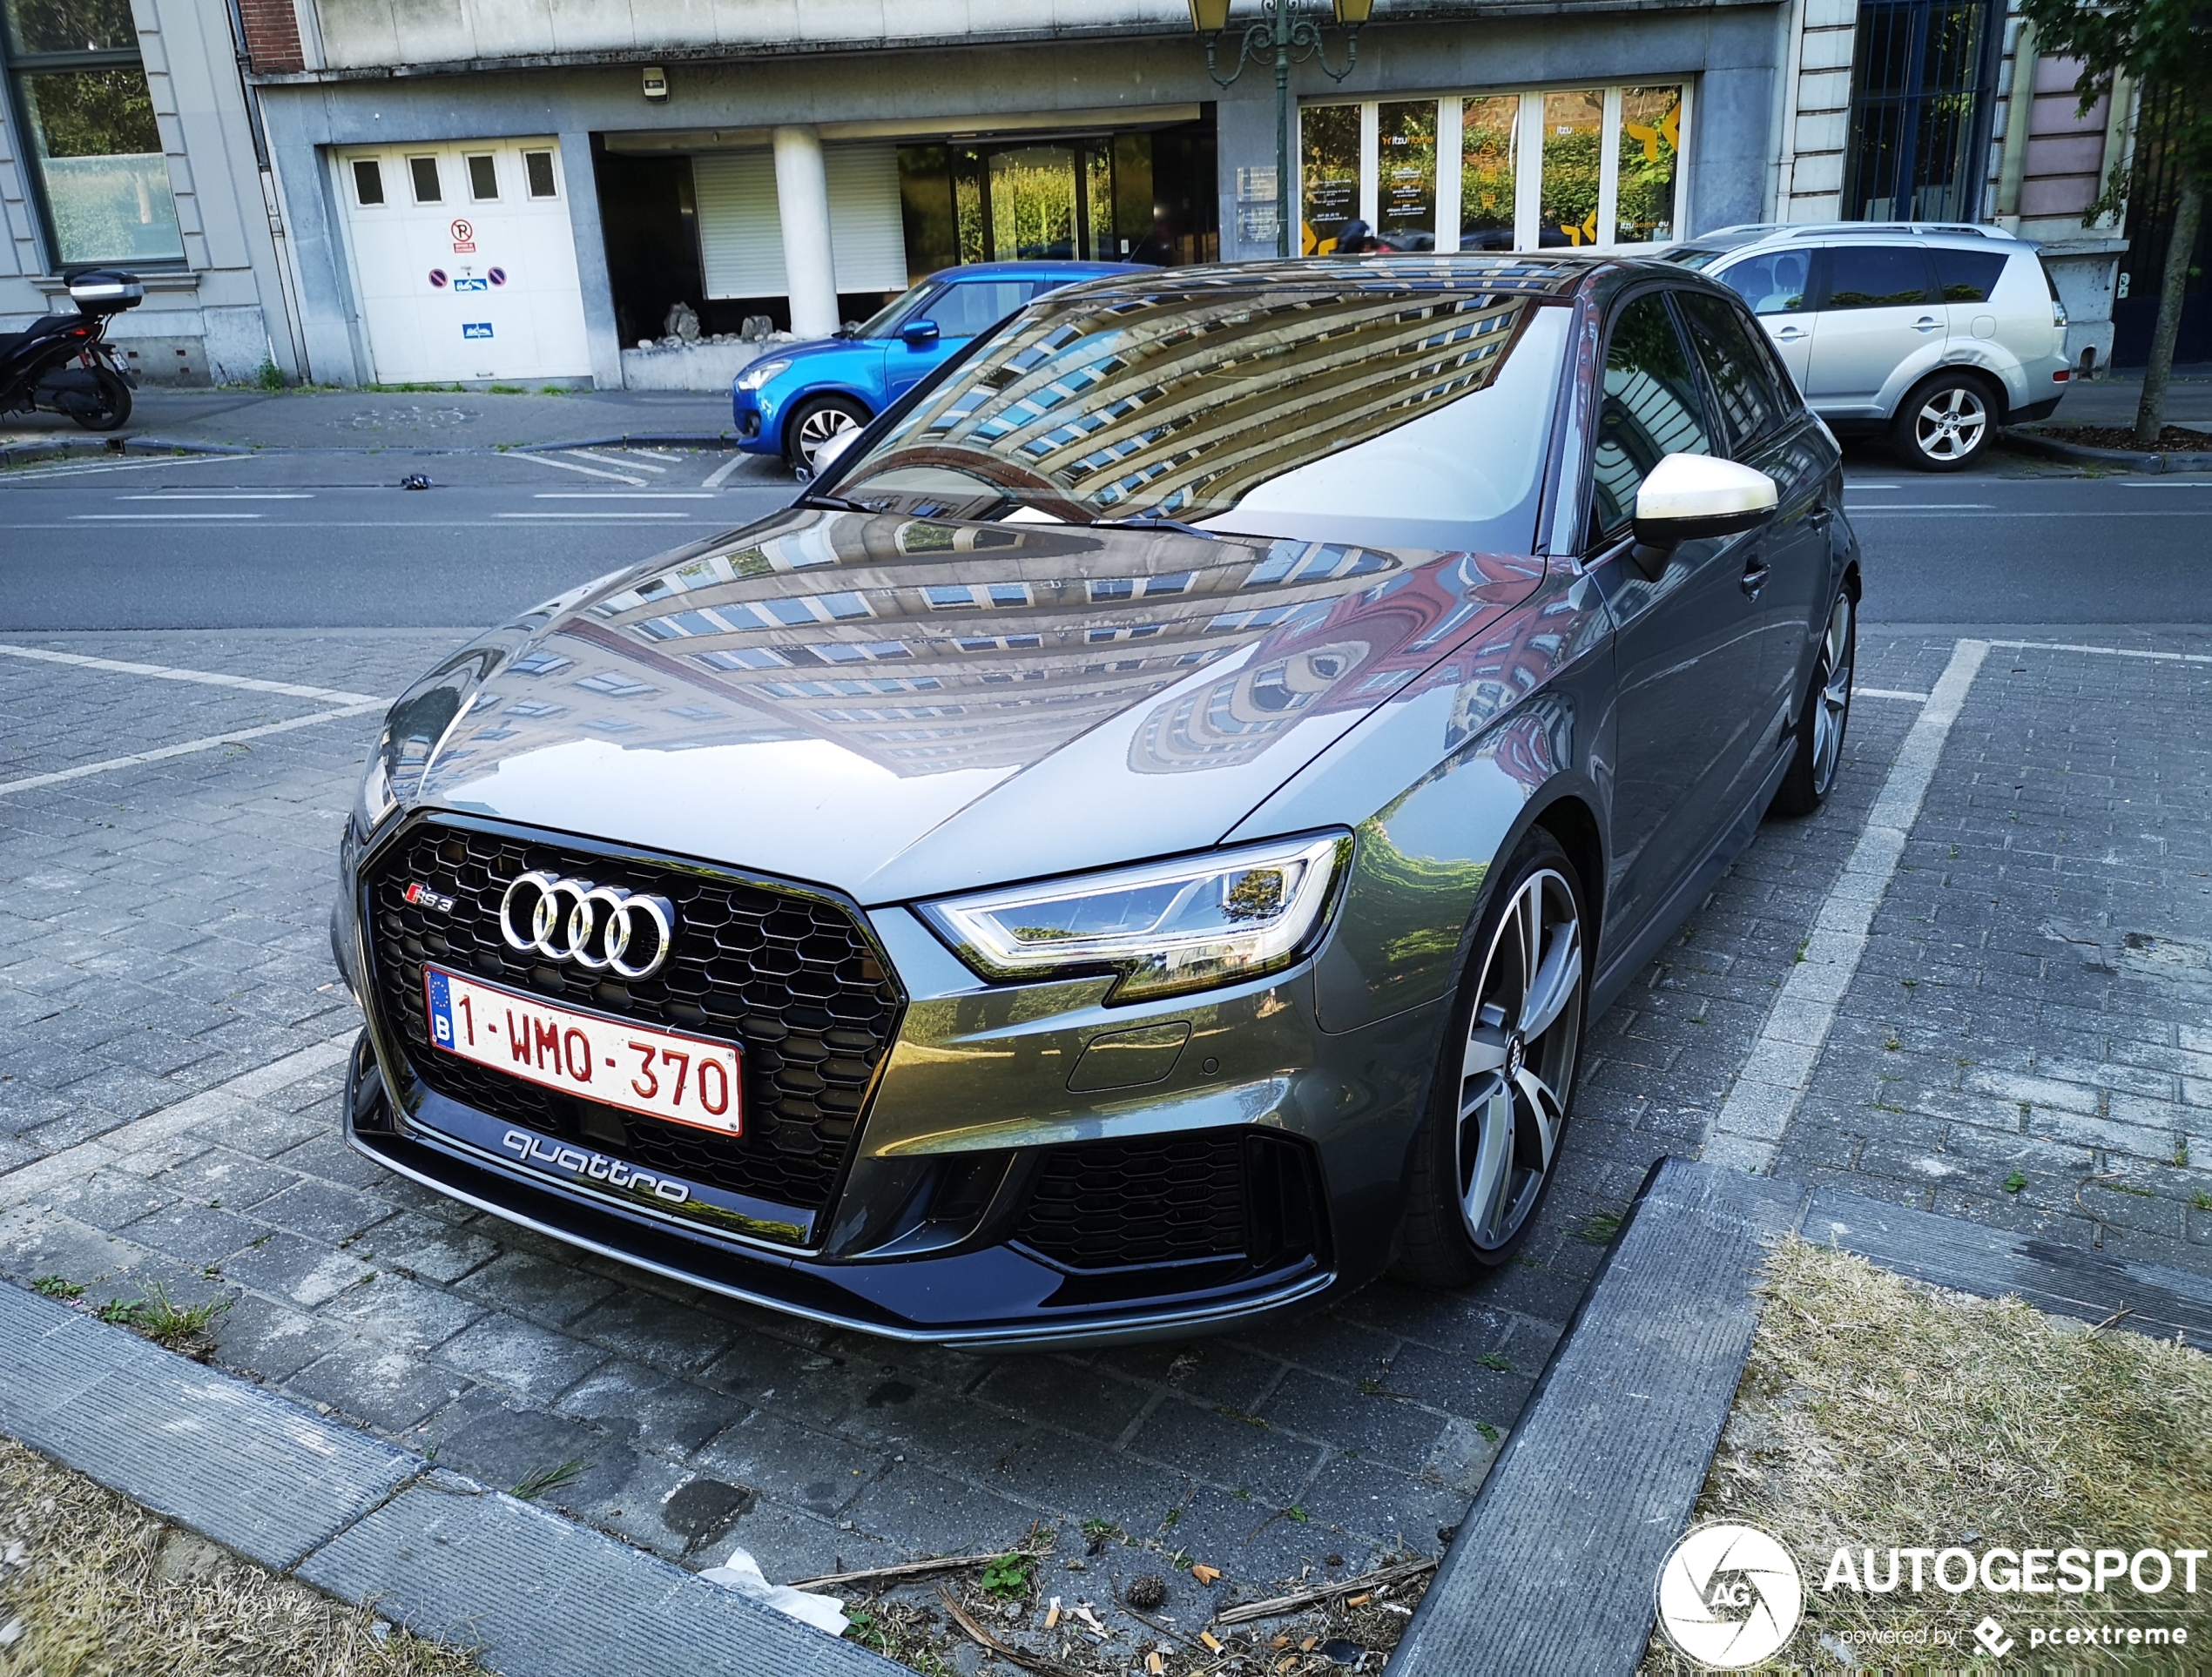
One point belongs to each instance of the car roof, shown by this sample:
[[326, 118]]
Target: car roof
[[1552, 274], [1034, 268], [1771, 235]]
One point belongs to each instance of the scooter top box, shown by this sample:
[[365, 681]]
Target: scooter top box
[[106, 290]]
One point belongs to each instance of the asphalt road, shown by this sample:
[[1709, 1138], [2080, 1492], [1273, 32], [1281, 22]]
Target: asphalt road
[[328, 540]]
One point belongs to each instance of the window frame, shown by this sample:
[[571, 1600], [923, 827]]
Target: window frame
[[1598, 541], [1789, 405], [15, 67]]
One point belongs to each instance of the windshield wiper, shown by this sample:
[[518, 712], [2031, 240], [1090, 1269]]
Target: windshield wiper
[[1153, 521]]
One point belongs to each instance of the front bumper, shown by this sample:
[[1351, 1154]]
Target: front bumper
[[758, 431], [979, 1203]]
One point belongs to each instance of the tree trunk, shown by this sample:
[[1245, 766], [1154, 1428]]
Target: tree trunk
[[2150, 415]]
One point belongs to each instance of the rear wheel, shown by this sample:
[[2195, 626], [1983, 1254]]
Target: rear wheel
[[1822, 717], [113, 403], [1499, 1101], [815, 423], [1944, 424]]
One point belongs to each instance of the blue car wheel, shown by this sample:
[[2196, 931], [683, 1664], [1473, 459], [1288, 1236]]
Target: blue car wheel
[[813, 423]]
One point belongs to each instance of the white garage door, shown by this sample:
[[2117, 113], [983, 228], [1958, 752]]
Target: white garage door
[[741, 235], [464, 261]]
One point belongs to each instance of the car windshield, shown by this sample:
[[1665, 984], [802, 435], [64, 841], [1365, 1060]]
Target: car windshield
[[885, 321], [1388, 414]]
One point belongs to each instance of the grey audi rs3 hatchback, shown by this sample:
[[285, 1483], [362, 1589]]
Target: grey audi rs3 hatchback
[[1134, 847]]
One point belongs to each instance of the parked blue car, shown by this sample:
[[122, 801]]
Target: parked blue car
[[795, 399]]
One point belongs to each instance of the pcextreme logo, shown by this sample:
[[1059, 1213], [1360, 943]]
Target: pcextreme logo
[[1729, 1596]]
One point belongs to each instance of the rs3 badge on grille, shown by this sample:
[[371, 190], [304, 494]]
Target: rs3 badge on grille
[[683, 1080]]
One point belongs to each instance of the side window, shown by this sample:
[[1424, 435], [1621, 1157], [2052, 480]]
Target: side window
[[1651, 408], [1737, 367], [423, 171], [976, 305], [368, 181], [1967, 276], [483, 178], [1876, 276], [1773, 283], [538, 169]]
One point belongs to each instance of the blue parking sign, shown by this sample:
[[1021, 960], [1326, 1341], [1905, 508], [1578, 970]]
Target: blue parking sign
[[475, 329]]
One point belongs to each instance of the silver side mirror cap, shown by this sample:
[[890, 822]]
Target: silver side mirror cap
[[1689, 497], [827, 455]]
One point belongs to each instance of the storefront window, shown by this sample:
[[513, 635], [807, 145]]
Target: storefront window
[[1033, 202], [1586, 166], [1573, 125], [1329, 185], [95, 148], [1490, 158], [1648, 143], [1406, 140]]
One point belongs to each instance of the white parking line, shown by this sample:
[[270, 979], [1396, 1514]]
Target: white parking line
[[570, 466], [1747, 1130], [218, 494], [2106, 651], [720, 475], [594, 515], [201, 677], [72, 1166], [1889, 693], [611, 459], [621, 495], [1924, 506], [31, 783], [155, 518]]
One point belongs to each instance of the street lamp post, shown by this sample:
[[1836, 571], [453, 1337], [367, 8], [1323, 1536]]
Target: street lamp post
[[1292, 39]]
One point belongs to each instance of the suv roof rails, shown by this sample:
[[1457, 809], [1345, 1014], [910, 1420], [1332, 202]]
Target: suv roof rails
[[1830, 229]]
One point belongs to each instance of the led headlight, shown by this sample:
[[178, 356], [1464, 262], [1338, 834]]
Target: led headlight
[[759, 373], [1166, 928], [377, 799]]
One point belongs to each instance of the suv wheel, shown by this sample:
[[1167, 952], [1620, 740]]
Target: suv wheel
[[1502, 1086], [815, 423], [1946, 423]]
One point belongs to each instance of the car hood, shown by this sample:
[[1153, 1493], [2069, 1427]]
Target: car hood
[[899, 707]]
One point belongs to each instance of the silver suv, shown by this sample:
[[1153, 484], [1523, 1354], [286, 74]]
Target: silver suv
[[1935, 332]]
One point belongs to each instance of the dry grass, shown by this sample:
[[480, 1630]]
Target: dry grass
[[1877, 1412], [92, 1586]]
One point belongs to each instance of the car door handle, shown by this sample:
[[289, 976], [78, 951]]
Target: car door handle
[[1755, 575], [1790, 334], [1924, 324], [1821, 518]]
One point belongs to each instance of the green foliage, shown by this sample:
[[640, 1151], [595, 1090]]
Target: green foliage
[[2014, 1182], [1007, 1577], [539, 1481], [58, 1286], [271, 376]]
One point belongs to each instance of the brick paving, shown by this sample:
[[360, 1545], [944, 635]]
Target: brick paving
[[167, 934]]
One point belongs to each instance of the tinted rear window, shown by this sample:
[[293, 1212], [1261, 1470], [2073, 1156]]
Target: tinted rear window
[[1389, 415], [1967, 276], [1876, 276]]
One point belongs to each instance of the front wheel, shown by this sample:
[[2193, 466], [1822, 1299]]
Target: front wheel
[[1822, 717], [1946, 424], [113, 402], [815, 424], [1499, 1101]]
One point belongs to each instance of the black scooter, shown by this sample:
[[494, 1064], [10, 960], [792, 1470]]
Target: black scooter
[[64, 363]]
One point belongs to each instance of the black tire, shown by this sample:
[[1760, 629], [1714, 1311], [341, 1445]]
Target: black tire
[[812, 423], [1947, 423], [114, 410], [1488, 1150], [1824, 715]]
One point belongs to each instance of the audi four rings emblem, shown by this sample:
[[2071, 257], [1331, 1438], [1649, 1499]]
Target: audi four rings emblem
[[598, 927]]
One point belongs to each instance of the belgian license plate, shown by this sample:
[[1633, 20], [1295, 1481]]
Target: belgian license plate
[[686, 1080]]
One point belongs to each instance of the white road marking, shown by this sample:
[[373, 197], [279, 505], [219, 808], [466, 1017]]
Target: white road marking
[[621, 495], [2106, 651], [215, 494], [39, 473], [720, 475], [1748, 1128], [202, 677], [570, 466], [1924, 506], [1889, 693], [137, 1140], [612, 460], [633, 517], [31, 783], [2193, 512], [157, 518]]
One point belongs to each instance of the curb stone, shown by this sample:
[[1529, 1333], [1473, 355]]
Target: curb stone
[[2080, 453], [537, 1594], [1555, 1565]]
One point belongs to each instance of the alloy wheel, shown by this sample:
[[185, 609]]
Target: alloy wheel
[[818, 427], [1832, 702], [1951, 423], [1519, 1059]]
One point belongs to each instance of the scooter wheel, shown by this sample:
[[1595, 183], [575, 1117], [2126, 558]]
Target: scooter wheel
[[115, 403]]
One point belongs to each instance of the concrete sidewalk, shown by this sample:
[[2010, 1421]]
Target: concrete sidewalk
[[439, 419], [2110, 399]]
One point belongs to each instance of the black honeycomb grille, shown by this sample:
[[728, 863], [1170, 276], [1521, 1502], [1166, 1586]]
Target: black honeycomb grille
[[1154, 1199], [791, 978]]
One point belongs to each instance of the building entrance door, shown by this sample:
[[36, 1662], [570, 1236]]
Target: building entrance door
[[463, 263]]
